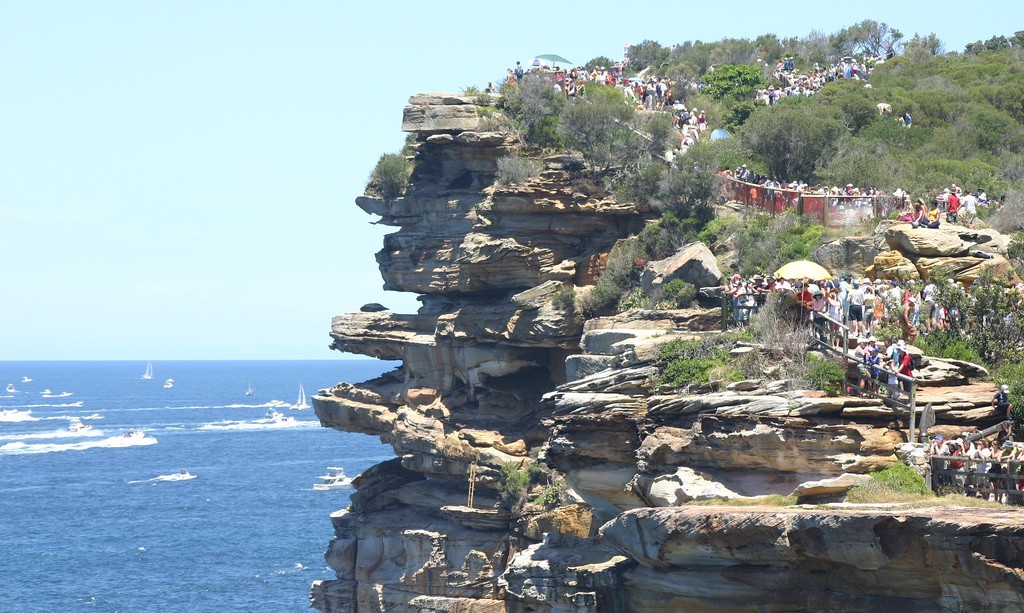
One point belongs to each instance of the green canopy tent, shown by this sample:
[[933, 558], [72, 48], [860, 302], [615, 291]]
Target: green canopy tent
[[554, 59]]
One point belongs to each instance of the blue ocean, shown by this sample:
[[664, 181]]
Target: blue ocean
[[119, 493]]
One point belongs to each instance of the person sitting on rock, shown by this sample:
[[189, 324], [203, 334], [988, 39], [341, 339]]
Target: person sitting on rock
[[933, 216]]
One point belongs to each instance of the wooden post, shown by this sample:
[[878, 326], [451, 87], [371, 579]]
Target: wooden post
[[913, 410]]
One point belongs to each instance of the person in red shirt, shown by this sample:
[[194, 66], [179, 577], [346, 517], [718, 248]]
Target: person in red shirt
[[952, 207]]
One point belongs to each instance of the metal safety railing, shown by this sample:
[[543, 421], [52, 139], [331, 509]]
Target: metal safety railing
[[997, 479]]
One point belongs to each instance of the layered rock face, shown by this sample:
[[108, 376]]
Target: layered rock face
[[499, 369]]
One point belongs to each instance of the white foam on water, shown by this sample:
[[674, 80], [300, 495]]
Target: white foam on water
[[90, 433], [14, 416], [178, 476], [259, 424], [112, 442]]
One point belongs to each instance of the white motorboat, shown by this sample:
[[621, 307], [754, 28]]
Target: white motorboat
[[26, 379], [335, 479], [134, 435], [301, 402], [10, 388], [46, 392], [75, 425], [278, 417], [49, 394], [168, 384], [149, 371]]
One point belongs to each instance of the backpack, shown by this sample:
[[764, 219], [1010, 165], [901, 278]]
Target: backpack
[[519, 73]]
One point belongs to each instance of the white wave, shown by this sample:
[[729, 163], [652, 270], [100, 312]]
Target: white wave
[[60, 395], [90, 433], [64, 405], [113, 442], [178, 476], [14, 415], [259, 424]]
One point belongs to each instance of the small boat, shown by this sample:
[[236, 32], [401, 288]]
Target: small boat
[[75, 425], [301, 402], [46, 392], [26, 379], [10, 388], [335, 479], [149, 371], [248, 390], [168, 384], [49, 394], [134, 435], [280, 418]]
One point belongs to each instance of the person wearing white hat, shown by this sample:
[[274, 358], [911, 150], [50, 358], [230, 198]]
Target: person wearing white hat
[[1001, 401]]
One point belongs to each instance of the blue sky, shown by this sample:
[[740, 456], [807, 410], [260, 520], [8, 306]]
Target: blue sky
[[177, 178]]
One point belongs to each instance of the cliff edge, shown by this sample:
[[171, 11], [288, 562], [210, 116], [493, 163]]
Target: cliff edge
[[501, 372]]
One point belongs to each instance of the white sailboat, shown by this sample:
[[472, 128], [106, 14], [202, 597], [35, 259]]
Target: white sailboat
[[248, 390], [149, 371], [301, 402]]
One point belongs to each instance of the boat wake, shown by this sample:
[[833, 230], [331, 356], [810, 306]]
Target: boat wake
[[42, 405], [183, 475], [14, 415], [90, 432], [260, 424], [111, 442]]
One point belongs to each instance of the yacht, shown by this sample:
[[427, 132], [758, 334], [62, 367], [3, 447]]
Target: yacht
[[335, 479], [149, 371], [300, 403], [168, 384]]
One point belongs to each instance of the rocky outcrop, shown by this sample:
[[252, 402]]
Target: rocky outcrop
[[500, 373], [954, 252], [714, 559]]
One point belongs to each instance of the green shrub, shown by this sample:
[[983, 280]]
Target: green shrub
[[514, 484], [514, 170], [679, 293], [390, 176], [824, 374], [565, 298], [692, 361], [902, 478], [944, 344]]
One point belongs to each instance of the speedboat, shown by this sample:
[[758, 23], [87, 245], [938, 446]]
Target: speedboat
[[10, 388], [26, 379], [280, 418], [335, 479], [46, 392], [134, 435], [168, 384], [75, 425]]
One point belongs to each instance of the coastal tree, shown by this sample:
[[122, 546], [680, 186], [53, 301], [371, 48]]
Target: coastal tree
[[793, 137], [733, 81], [605, 129]]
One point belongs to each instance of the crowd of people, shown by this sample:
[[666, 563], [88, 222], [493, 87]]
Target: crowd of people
[[800, 83], [987, 469]]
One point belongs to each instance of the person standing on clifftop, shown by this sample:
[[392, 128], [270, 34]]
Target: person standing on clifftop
[[1001, 403]]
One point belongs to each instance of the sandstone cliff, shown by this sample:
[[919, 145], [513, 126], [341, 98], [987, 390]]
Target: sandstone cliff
[[499, 369]]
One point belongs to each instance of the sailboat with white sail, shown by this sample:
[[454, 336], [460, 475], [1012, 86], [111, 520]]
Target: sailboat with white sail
[[149, 371], [301, 402], [248, 390]]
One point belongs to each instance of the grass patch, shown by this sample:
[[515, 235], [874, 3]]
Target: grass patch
[[898, 483], [771, 500]]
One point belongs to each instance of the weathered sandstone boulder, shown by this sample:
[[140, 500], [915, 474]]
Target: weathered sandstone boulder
[[693, 263], [941, 242], [893, 265]]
